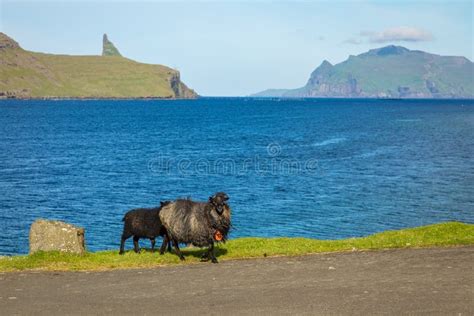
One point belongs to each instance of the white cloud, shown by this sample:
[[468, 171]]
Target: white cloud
[[398, 34]]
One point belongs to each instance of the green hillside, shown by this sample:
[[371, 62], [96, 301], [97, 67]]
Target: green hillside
[[392, 72], [25, 74]]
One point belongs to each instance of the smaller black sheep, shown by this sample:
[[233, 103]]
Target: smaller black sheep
[[144, 223]]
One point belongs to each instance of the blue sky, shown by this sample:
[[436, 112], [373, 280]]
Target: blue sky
[[229, 48]]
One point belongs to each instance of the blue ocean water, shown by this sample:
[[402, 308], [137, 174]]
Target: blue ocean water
[[318, 168]]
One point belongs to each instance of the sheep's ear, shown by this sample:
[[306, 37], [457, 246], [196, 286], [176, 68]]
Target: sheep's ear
[[211, 199]]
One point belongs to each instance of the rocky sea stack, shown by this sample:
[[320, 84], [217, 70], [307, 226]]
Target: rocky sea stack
[[108, 48]]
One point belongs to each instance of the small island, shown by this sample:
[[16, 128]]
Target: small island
[[385, 73]]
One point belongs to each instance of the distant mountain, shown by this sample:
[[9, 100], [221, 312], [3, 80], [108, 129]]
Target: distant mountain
[[388, 72], [25, 74]]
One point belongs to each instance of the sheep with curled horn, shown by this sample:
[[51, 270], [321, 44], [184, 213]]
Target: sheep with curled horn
[[197, 223]]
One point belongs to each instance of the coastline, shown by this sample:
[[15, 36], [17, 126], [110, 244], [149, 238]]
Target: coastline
[[95, 98], [448, 234], [92, 98]]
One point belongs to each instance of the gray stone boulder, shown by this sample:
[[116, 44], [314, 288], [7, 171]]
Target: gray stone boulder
[[48, 235]]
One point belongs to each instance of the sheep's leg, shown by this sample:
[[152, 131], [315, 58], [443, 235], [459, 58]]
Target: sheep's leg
[[178, 252], [166, 241], [135, 244], [169, 245], [205, 256], [152, 244], [211, 253], [122, 243]]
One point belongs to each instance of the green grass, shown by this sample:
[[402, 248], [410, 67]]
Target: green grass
[[84, 76], [438, 235]]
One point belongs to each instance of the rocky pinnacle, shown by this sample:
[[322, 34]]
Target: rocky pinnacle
[[108, 48]]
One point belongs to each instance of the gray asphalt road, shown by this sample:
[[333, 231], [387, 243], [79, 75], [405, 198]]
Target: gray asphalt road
[[417, 281]]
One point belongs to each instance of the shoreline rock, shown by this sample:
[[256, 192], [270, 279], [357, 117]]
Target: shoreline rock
[[48, 235]]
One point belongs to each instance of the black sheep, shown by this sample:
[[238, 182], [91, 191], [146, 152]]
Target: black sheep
[[144, 223], [197, 223]]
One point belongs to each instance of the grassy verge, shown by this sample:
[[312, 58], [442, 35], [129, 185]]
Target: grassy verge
[[444, 234]]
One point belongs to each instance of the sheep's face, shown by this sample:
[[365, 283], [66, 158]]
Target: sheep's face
[[219, 201]]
